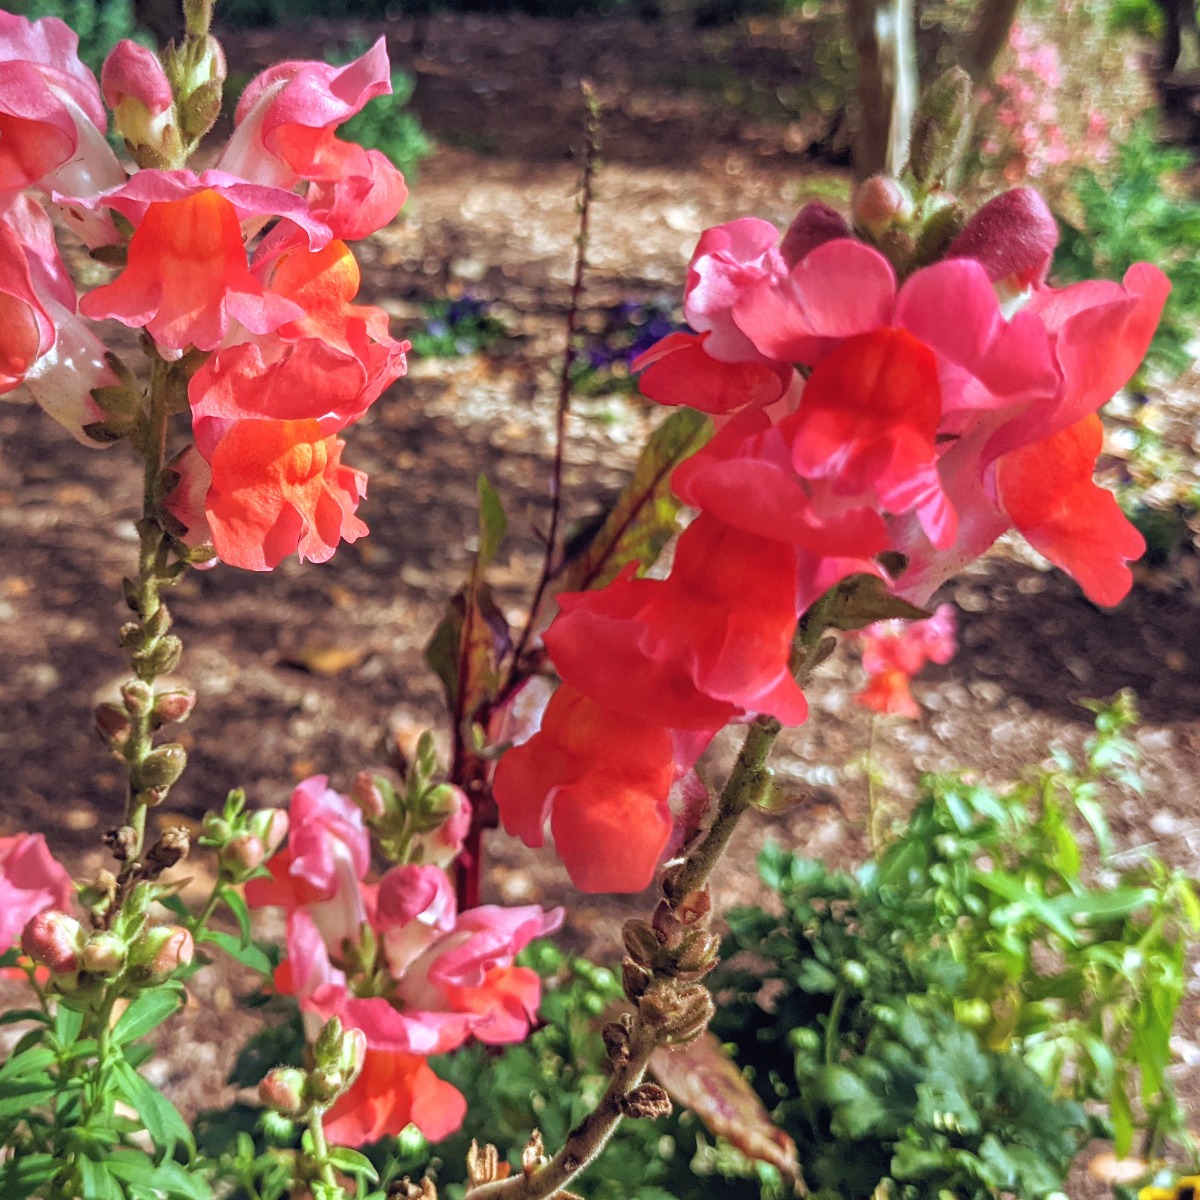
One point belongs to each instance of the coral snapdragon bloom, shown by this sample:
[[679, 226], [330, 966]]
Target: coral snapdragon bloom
[[603, 781], [709, 644], [187, 278]]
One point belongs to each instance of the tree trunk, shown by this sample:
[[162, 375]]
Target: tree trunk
[[883, 36], [988, 38]]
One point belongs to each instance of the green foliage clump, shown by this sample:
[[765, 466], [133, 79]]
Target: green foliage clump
[[934, 1022], [1142, 214], [99, 24], [455, 328]]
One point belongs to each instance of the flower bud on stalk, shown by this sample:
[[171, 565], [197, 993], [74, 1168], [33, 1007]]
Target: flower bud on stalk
[[242, 855], [54, 940], [369, 796], [160, 952], [104, 954], [881, 203], [173, 707], [270, 826], [283, 1090]]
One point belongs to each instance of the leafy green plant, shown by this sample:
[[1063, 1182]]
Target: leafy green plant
[[454, 328], [1141, 213], [936, 1019]]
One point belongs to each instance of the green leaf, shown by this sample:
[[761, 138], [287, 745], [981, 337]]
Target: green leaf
[[166, 1177], [236, 905], [147, 1012], [68, 1022], [467, 647], [493, 524], [644, 517], [20, 1175], [251, 956], [174, 904], [23, 1014], [33, 1061], [163, 1122], [862, 600], [353, 1163], [19, 1096], [98, 1182]]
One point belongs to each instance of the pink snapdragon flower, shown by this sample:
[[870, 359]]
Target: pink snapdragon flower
[[893, 652], [1000, 376], [441, 976]]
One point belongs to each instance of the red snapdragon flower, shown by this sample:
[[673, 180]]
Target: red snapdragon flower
[[994, 367]]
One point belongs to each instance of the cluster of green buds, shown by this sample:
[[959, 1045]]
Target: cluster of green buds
[[421, 821], [120, 959], [913, 219], [127, 729], [335, 1060], [665, 960], [163, 105], [243, 841]]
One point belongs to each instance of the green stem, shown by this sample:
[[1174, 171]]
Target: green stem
[[320, 1151], [833, 1025], [198, 923]]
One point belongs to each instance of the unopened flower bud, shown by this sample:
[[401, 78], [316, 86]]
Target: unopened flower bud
[[339, 1054], [162, 767], [940, 127], [270, 826], [114, 726], [448, 806], [104, 954], [161, 951], [242, 855], [173, 707], [881, 203], [368, 795], [138, 697], [283, 1090], [137, 90], [55, 940]]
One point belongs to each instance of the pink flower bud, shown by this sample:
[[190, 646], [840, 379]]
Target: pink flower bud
[[138, 697], [54, 940], [104, 954], [137, 90], [160, 952], [440, 846], [813, 226], [270, 826], [880, 203], [1013, 235], [113, 725], [243, 854], [283, 1090], [367, 794], [174, 707]]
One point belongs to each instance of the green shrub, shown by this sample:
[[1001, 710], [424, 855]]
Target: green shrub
[[1141, 213]]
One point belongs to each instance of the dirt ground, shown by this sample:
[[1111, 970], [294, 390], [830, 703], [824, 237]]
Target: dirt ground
[[493, 213]]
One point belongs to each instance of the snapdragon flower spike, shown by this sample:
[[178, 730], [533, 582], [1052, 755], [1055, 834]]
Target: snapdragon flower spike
[[31, 881], [264, 411], [285, 133], [187, 278], [442, 976], [52, 119], [991, 362]]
